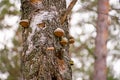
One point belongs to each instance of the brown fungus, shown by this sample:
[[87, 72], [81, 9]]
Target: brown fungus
[[24, 23], [71, 37], [64, 41], [41, 25], [71, 41], [59, 32]]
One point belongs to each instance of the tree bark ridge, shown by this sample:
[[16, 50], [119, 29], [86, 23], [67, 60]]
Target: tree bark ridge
[[37, 62]]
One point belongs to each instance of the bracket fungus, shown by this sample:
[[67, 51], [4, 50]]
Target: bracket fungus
[[41, 25], [59, 32], [24, 23], [71, 40], [64, 41], [71, 37]]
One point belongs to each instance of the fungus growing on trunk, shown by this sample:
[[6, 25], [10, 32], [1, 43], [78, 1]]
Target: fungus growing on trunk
[[24, 23], [64, 41], [59, 32]]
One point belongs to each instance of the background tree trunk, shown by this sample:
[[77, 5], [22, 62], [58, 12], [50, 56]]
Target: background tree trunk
[[43, 57], [101, 41]]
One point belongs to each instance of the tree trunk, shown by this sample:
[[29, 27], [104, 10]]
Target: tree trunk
[[101, 41], [44, 57]]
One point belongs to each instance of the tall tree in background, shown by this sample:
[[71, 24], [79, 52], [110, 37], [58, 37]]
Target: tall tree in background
[[45, 40], [100, 72]]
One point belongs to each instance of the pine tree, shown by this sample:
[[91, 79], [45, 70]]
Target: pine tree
[[46, 39], [100, 72]]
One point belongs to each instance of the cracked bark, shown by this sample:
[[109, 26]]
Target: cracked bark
[[38, 63]]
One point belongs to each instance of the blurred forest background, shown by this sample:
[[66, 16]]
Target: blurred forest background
[[82, 28]]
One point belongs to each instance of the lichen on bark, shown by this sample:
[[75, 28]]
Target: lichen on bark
[[38, 63]]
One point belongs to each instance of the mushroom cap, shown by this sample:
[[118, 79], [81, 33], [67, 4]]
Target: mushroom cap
[[71, 41], [71, 37], [64, 41], [41, 25], [24, 23], [59, 32]]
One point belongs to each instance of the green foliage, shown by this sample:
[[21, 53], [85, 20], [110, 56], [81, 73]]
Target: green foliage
[[9, 57], [7, 8], [9, 62]]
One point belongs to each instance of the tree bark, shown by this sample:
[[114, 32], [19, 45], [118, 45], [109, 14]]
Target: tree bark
[[43, 56], [101, 41]]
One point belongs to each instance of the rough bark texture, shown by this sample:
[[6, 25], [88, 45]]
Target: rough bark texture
[[101, 41], [38, 62]]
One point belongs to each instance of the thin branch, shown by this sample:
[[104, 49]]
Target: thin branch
[[63, 18]]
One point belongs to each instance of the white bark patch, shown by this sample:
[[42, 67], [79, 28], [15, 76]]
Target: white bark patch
[[30, 44], [43, 38], [38, 18], [30, 48]]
